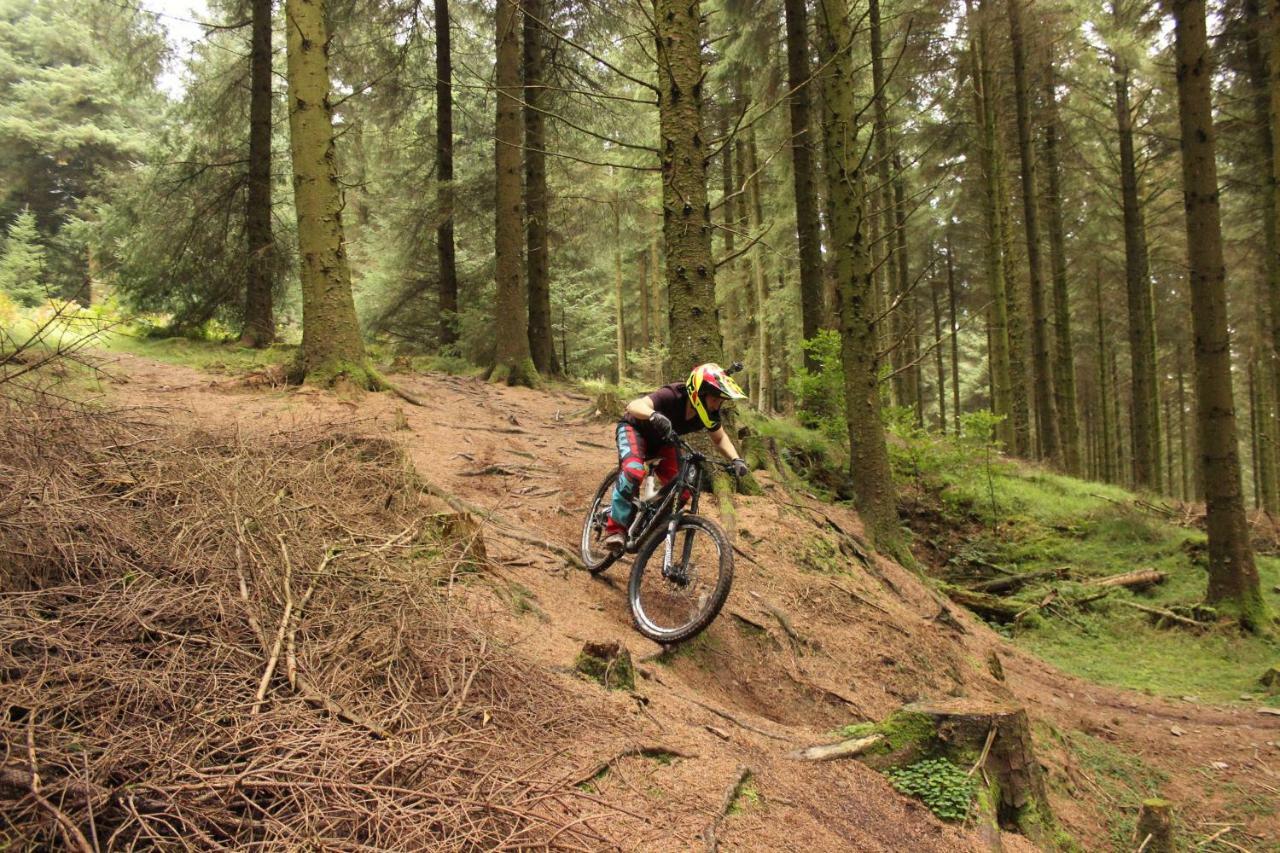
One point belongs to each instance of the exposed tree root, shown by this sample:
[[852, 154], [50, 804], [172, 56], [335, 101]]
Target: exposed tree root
[[731, 795], [643, 751]]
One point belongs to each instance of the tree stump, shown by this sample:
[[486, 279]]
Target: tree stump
[[607, 663], [1155, 827], [1271, 679], [609, 406], [991, 741], [460, 535]]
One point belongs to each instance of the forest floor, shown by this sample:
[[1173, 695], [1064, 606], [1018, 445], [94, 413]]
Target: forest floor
[[865, 639]]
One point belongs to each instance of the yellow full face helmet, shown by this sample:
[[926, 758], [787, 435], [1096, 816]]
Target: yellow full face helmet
[[706, 380]]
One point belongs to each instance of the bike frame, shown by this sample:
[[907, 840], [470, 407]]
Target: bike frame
[[689, 475]]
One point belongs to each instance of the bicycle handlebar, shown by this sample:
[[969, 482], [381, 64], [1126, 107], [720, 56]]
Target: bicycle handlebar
[[689, 450]]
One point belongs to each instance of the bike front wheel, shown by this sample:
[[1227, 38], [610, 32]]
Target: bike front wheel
[[671, 602], [595, 556]]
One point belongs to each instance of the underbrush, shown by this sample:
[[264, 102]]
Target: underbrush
[[252, 640], [976, 517]]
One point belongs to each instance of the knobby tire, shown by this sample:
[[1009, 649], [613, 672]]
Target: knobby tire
[[724, 580]]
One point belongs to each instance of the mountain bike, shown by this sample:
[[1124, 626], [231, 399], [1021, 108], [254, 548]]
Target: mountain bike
[[684, 564]]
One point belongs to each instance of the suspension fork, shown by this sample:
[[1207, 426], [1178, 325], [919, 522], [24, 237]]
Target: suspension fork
[[674, 523]]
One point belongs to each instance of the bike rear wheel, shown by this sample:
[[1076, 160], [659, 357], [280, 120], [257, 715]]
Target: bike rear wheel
[[594, 555], [673, 606]]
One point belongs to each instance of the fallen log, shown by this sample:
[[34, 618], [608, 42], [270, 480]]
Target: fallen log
[[1014, 582], [1165, 614], [850, 748], [1132, 580], [986, 606]]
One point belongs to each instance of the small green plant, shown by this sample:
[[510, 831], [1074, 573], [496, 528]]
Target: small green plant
[[820, 395], [946, 789]]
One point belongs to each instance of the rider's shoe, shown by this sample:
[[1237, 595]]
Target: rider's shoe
[[615, 542]]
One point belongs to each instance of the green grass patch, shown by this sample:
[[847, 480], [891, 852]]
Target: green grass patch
[[1023, 518], [215, 357], [1122, 777]]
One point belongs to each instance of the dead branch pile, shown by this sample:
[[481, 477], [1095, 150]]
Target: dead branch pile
[[251, 640]]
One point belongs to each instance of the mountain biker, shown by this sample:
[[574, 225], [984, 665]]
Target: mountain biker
[[649, 428]]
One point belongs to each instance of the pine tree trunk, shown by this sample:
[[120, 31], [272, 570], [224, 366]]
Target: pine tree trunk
[[955, 337], [1043, 386], [447, 292], [883, 238], [619, 300], [1016, 310], [764, 387], [724, 282], [1142, 340], [1273, 263], [910, 304], [655, 271], [868, 456], [984, 113], [259, 320], [1108, 470], [1121, 468], [331, 342], [1270, 280], [686, 216], [1183, 450], [1064, 371], [513, 362], [1233, 577], [738, 284], [646, 330], [935, 296], [541, 344], [808, 229], [1254, 454]]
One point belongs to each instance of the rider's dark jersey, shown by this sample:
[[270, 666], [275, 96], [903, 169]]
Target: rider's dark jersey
[[673, 401]]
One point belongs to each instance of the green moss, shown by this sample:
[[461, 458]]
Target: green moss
[[520, 373], [614, 672], [906, 728], [856, 730], [908, 736], [818, 554], [214, 356], [744, 796], [1047, 521]]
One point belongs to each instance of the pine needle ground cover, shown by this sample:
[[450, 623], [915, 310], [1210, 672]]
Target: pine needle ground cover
[[1005, 516], [236, 640]]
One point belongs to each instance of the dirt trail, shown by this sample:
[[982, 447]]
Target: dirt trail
[[870, 638]]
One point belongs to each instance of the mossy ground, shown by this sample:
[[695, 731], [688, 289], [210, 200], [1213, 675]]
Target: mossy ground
[[1025, 519], [200, 354]]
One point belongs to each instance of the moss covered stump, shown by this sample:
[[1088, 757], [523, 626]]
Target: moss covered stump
[[1155, 827], [608, 664], [992, 742]]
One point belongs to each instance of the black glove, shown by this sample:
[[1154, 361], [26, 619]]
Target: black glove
[[740, 469], [662, 424]]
